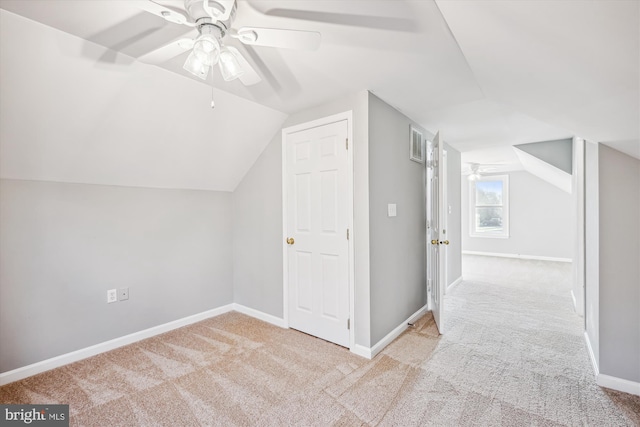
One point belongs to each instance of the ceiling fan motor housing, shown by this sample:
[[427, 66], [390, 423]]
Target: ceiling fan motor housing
[[213, 20], [210, 12]]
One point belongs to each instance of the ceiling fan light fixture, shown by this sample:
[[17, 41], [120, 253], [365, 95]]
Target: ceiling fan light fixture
[[206, 48], [196, 67], [474, 176], [230, 67]]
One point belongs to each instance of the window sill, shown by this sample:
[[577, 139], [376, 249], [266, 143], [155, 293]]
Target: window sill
[[490, 236]]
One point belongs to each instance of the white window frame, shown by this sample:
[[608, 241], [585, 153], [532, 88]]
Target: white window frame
[[504, 234]]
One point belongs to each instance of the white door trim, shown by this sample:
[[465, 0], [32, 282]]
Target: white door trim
[[348, 116], [445, 219]]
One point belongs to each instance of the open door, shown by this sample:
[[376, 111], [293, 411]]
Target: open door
[[436, 236]]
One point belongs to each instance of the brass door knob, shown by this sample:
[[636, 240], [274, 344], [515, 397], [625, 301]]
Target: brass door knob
[[434, 242], [290, 240], [446, 242]]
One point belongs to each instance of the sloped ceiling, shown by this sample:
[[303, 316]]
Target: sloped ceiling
[[571, 64], [72, 119], [485, 73]]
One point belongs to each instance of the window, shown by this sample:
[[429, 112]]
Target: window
[[489, 206]]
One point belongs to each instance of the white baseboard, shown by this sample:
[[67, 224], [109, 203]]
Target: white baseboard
[[259, 315], [578, 309], [454, 283], [361, 350], [608, 381], [380, 345], [518, 256], [592, 355], [618, 384], [74, 356]]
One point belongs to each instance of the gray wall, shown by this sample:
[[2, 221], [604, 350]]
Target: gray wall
[[397, 244], [541, 220], [558, 153], [619, 239], [454, 217], [64, 245], [257, 234], [257, 220], [382, 300]]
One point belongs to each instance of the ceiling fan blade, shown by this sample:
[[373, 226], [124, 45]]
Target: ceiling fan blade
[[273, 37], [250, 76], [167, 13], [363, 21], [166, 52], [219, 10]]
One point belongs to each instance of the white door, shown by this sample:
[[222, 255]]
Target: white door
[[317, 222], [436, 239]]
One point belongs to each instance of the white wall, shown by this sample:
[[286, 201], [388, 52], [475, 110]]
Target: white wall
[[577, 197], [68, 116], [592, 248], [541, 220], [454, 216], [63, 245]]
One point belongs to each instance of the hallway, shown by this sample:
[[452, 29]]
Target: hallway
[[513, 353]]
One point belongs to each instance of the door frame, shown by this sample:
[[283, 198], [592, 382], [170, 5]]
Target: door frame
[[445, 220], [348, 116]]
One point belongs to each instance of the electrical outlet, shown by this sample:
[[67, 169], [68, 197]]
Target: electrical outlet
[[123, 294], [112, 296]]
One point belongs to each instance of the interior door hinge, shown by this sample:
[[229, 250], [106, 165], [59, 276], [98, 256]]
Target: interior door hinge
[[348, 324], [346, 143], [347, 234]]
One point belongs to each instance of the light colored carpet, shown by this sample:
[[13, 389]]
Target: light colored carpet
[[511, 355]]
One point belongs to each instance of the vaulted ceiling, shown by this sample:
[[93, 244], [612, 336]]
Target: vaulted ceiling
[[485, 73]]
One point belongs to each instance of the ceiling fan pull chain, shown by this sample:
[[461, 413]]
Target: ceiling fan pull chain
[[213, 104]]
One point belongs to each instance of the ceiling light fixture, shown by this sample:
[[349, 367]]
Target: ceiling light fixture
[[213, 20], [230, 67], [196, 67], [475, 172], [205, 53]]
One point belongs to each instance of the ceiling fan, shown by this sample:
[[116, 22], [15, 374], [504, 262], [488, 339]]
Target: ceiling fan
[[475, 170], [213, 20]]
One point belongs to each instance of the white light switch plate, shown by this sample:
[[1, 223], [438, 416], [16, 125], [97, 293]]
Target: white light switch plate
[[391, 209]]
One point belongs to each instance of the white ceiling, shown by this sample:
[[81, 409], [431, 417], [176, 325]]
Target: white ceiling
[[571, 64], [485, 73], [72, 119]]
